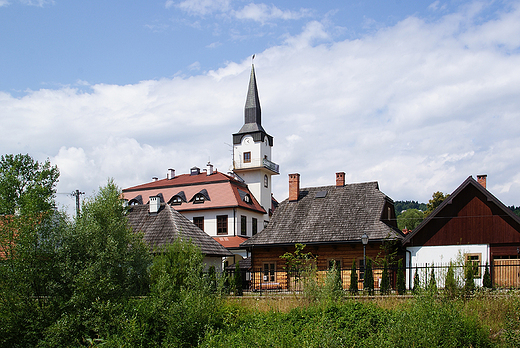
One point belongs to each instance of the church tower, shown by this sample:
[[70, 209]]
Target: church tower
[[252, 150]]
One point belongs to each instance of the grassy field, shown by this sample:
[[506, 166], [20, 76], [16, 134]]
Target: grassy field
[[487, 319]]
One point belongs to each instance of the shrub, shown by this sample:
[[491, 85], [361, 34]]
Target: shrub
[[416, 281], [486, 280], [353, 279], [401, 285], [368, 282], [333, 288], [450, 284], [385, 279]]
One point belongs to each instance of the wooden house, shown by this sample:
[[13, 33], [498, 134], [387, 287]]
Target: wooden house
[[471, 224], [330, 221]]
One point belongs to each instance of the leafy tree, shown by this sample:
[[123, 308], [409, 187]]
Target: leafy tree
[[353, 279], [486, 280], [26, 186], [437, 198], [385, 279], [450, 283], [401, 206], [410, 219], [401, 285], [368, 282]]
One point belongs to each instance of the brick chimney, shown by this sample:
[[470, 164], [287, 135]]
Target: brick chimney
[[482, 180], [340, 179], [294, 187]]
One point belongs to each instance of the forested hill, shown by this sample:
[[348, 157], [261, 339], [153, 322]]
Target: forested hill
[[401, 206]]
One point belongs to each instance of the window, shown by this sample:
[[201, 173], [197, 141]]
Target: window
[[475, 259], [361, 267], [247, 199], [199, 198], [269, 272], [247, 157], [176, 200], [266, 181], [243, 225], [266, 223], [222, 224], [199, 222], [255, 225]]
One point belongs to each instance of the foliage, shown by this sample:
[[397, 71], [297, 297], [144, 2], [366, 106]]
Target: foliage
[[26, 186], [401, 285], [416, 281], [486, 280], [332, 288], [353, 288], [368, 281], [401, 206], [298, 260], [432, 282], [451, 288], [436, 200], [515, 210], [237, 281], [410, 219], [469, 282], [385, 279]]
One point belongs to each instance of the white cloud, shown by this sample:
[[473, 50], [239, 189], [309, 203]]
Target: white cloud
[[4, 3], [263, 13], [38, 3], [418, 106], [202, 7]]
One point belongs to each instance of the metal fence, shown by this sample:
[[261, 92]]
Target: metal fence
[[503, 273]]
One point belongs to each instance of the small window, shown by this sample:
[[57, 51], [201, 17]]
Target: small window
[[266, 223], [247, 157], [269, 272], [243, 225], [199, 222], [176, 200], [254, 222], [222, 224], [266, 181], [199, 198], [475, 259]]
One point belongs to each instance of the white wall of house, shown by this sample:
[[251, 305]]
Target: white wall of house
[[234, 220], [441, 256], [213, 261]]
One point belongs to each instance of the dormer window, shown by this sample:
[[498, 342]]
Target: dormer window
[[247, 199], [176, 200], [199, 198]]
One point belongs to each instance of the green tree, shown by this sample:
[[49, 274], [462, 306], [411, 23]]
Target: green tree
[[469, 274], [486, 280], [432, 283], [368, 282], [450, 283], [385, 279], [26, 186], [333, 287], [416, 281], [410, 219], [237, 281], [353, 279], [436, 200], [401, 284]]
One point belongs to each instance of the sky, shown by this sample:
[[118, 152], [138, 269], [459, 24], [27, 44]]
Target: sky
[[417, 95]]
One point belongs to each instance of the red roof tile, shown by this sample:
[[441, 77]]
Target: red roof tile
[[230, 242]]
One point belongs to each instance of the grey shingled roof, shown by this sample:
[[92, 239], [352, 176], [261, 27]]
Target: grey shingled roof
[[165, 226], [343, 215]]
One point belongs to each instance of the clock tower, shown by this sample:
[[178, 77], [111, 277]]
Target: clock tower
[[252, 150]]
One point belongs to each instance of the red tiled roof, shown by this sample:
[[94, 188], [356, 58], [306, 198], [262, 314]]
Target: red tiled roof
[[230, 242], [222, 190]]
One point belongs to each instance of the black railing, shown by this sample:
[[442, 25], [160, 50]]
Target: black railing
[[503, 273]]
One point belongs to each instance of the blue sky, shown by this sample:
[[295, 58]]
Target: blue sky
[[417, 95]]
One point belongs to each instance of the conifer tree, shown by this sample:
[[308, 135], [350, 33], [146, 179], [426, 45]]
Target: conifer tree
[[353, 279], [486, 281], [401, 285], [416, 281], [368, 283], [385, 279]]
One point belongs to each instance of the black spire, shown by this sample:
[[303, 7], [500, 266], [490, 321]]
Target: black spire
[[252, 115], [253, 112]]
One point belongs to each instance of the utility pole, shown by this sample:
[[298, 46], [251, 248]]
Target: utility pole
[[76, 194]]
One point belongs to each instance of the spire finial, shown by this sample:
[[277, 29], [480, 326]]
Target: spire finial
[[253, 58]]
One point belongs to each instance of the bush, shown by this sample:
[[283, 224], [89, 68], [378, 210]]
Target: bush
[[385, 279], [451, 288], [353, 288], [486, 281], [368, 282], [401, 285]]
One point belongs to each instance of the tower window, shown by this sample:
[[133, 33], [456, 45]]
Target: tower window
[[243, 225], [266, 181], [247, 157], [254, 222]]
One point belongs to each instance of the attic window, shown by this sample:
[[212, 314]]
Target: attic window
[[176, 200], [247, 199], [321, 194], [199, 198]]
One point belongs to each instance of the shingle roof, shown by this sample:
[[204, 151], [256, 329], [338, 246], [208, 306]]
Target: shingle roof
[[165, 226], [221, 191], [342, 215]]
